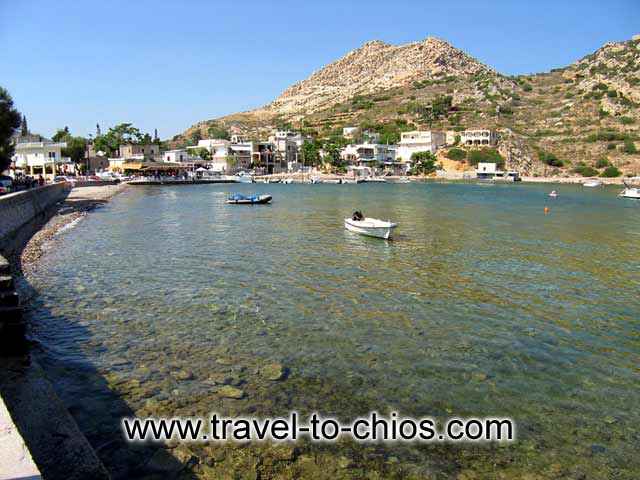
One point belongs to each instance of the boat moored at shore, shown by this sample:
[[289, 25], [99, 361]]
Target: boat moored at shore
[[239, 199]]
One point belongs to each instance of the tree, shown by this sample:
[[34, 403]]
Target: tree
[[24, 129], [9, 123], [610, 172], [75, 149], [424, 163], [486, 155], [218, 132], [550, 159], [119, 135], [311, 152], [61, 134], [332, 154], [457, 154], [203, 153]]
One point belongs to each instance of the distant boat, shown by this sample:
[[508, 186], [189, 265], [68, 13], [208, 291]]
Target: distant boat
[[243, 177], [630, 192], [592, 183], [371, 227], [239, 199], [287, 181], [553, 194], [374, 180]]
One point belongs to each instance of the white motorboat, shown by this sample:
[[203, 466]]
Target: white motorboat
[[630, 192], [287, 181], [374, 180], [553, 194], [592, 183], [371, 227]]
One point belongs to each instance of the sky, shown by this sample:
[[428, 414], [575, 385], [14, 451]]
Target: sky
[[169, 64]]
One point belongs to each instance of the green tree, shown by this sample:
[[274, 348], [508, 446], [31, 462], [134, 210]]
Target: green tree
[[550, 159], [216, 131], [457, 154], [332, 154], [602, 163], [424, 163], [310, 153], [203, 153], [610, 172], [75, 149], [119, 135], [24, 128], [486, 155], [61, 134], [9, 123]]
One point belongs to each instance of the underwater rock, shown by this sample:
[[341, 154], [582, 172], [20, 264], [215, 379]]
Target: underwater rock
[[273, 371], [228, 391], [182, 375]]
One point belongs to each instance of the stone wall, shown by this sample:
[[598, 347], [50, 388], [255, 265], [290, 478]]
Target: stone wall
[[19, 210], [21, 214]]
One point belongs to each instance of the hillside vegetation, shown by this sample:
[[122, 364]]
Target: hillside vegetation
[[581, 119]]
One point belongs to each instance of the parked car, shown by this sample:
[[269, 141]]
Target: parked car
[[6, 184], [63, 178]]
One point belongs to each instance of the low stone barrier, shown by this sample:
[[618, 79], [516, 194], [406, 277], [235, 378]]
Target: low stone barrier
[[21, 214]]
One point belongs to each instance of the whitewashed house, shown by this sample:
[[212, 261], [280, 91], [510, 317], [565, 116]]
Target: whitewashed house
[[219, 151], [350, 132], [42, 158], [418, 141], [479, 137], [288, 144], [181, 155]]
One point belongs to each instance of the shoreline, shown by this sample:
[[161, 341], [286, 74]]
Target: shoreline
[[79, 202]]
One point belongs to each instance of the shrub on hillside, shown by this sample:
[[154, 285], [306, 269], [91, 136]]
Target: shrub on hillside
[[627, 120], [629, 147], [611, 172], [457, 154], [602, 163], [550, 159], [586, 171], [485, 155]]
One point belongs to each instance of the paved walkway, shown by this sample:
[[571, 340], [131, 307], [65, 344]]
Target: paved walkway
[[15, 460]]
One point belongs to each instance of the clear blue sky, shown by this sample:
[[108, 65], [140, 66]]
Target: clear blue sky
[[167, 65]]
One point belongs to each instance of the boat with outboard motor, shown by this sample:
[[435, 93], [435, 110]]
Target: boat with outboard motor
[[239, 199], [371, 227]]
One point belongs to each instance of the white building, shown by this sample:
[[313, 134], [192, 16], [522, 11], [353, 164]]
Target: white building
[[219, 150], [419, 141], [179, 156], [350, 132], [364, 153], [479, 137], [42, 158]]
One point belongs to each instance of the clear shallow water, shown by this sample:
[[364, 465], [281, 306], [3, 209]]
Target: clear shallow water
[[482, 306]]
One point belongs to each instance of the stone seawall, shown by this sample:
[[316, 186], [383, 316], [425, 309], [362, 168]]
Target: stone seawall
[[21, 210], [21, 214]]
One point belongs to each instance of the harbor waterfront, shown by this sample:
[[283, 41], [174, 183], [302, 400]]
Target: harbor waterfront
[[483, 305]]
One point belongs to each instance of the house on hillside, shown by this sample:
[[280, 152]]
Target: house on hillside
[[219, 151], [181, 155], [418, 141], [288, 145], [350, 132], [479, 137]]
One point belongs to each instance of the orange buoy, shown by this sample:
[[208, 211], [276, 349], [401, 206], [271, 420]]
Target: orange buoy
[[546, 210]]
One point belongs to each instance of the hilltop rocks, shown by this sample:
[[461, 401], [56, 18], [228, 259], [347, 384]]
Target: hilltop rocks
[[374, 67], [227, 391]]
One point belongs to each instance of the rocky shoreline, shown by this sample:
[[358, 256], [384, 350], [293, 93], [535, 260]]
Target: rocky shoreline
[[78, 203]]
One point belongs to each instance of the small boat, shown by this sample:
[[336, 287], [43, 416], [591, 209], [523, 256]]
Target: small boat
[[553, 194], [630, 192], [592, 183], [287, 181], [403, 180], [371, 227], [239, 199], [375, 180]]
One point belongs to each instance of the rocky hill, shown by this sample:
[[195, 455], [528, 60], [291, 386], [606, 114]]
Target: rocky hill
[[551, 123], [375, 67]]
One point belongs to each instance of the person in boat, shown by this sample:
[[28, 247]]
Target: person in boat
[[357, 216]]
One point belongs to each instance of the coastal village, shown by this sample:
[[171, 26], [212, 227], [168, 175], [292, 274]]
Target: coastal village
[[282, 154]]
